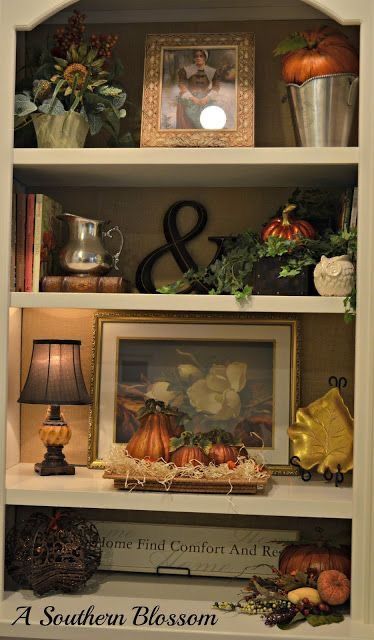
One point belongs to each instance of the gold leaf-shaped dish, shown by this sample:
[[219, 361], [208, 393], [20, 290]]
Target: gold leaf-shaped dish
[[322, 435]]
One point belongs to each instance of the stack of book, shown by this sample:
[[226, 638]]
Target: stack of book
[[36, 242]]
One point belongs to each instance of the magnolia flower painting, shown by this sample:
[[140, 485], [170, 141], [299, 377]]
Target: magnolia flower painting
[[224, 385]]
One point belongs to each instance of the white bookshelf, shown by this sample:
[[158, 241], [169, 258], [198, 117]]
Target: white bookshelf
[[163, 302], [260, 167]]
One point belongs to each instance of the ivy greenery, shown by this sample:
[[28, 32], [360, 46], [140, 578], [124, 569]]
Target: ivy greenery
[[231, 273]]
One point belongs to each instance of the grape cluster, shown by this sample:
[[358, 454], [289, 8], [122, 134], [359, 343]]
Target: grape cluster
[[306, 608], [281, 615], [65, 37], [104, 44]]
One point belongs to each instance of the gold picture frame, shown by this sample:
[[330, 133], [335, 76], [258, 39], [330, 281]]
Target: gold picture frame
[[192, 101], [227, 329]]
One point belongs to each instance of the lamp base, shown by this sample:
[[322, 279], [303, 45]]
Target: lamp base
[[54, 463], [54, 433]]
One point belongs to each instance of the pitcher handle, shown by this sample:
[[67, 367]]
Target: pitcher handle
[[109, 234]]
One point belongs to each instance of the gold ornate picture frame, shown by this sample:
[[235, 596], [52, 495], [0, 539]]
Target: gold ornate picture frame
[[253, 359], [198, 90]]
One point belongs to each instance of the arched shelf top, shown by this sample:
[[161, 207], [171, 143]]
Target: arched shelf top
[[343, 11], [27, 14]]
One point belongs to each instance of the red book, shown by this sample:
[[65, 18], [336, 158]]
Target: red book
[[20, 241], [29, 248]]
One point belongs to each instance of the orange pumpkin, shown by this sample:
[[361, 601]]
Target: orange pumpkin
[[333, 587], [223, 448], [322, 52], [189, 449], [287, 228], [189, 454], [152, 439], [221, 453], [305, 557]]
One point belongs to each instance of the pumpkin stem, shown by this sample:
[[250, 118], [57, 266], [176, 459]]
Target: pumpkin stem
[[152, 406], [287, 209]]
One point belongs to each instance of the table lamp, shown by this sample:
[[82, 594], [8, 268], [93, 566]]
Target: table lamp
[[55, 378]]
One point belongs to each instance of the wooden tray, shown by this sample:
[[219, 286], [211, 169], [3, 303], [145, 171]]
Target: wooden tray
[[188, 485]]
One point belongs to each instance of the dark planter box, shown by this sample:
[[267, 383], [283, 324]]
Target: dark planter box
[[266, 280]]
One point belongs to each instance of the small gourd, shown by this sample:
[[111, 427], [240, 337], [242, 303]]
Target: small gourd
[[307, 593], [333, 587]]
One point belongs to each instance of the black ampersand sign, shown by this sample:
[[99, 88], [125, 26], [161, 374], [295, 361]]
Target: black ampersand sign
[[176, 245]]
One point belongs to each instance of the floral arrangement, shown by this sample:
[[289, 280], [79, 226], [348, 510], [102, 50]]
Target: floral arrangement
[[76, 74], [283, 600]]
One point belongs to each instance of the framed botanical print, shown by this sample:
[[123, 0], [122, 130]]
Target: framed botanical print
[[234, 372], [198, 90]]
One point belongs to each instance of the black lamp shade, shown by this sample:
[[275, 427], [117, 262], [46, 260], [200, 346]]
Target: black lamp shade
[[55, 374]]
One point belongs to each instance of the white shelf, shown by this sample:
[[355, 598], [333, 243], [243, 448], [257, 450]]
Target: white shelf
[[285, 496], [161, 302], [239, 167], [121, 593]]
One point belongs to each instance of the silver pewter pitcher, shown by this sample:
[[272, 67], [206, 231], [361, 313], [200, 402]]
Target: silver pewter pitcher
[[322, 109], [84, 253]]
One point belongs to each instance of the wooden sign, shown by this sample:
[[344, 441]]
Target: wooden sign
[[177, 549]]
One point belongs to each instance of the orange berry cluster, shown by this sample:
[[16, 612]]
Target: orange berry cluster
[[104, 44], [64, 37]]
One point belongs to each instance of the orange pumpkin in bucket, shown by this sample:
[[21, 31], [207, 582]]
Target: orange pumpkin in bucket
[[321, 52]]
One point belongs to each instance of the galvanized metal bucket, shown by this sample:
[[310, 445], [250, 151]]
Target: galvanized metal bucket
[[322, 110]]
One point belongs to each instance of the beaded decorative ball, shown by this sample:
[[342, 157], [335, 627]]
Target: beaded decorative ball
[[53, 554]]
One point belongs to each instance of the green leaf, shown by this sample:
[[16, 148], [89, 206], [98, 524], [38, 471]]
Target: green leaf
[[52, 107], [63, 63], [91, 55], [293, 42], [172, 288], [317, 621], [23, 106], [82, 50], [95, 123], [74, 53], [98, 63], [299, 617]]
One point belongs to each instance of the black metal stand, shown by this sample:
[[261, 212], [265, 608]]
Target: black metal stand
[[306, 475], [303, 473]]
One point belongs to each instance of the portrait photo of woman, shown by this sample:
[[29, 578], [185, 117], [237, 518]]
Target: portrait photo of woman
[[198, 90], [194, 79]]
